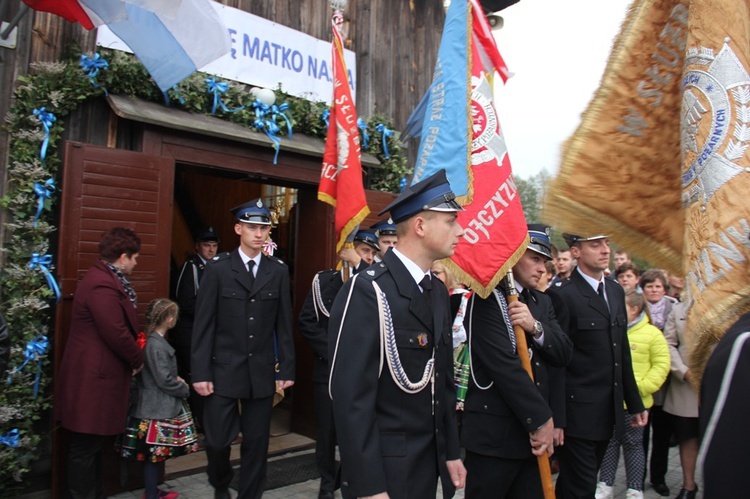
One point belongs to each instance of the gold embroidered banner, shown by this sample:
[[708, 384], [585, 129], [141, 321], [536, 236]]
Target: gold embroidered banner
[[659, 160]]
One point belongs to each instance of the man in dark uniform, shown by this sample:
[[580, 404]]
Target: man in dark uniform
[[206, 246], [313, 325], [387, 237], [723, 416], [590, 307], [391, 359], [243, 302], [507, 418]]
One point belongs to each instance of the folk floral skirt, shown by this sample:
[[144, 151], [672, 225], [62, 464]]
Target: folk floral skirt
[[158, 439]]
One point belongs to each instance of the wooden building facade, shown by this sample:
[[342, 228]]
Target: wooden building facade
[[166, 173]]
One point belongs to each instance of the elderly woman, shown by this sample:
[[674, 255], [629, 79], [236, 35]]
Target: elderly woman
[[100, 358], [681, 400], [653, 283]]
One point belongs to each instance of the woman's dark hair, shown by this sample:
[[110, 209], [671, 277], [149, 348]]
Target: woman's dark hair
[[119, 240], [652, 275]]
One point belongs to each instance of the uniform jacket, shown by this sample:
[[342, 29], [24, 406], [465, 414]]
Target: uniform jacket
[[313, 323], [387, 437], [723, 446], [681, 399], [186, 295], [497, 420], [233, 332], [650, 355], [160, 393], [100, 355], [600, 375]]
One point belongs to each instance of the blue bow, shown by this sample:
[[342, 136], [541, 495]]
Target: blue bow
[[386, 133], [326, 114], [402, 183], [35, 350], [362, 125], [43, 262], [265, 121], [91, 67], [44, 191], [11, 439], [218, 89], [46, 119]]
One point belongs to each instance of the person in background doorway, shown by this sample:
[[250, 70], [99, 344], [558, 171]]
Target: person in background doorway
[[100, 358], [206, 247]]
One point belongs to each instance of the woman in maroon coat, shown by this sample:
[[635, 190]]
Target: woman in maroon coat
[[100, 358]]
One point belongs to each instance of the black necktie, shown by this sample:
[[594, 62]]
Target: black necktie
[[251, 277], [426, 284], [600, 290], [525, 296]]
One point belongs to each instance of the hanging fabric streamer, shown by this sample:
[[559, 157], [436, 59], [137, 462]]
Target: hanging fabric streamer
[[43, 191], [35, 350], [91, 66], [177, 95], [218, 89], [386, 133], [11, 439], [324, 116], [265, 121], [46, 119], [362, 125], [42, 262]]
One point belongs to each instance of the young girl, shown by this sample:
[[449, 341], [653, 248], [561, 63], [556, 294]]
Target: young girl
[[161, 426], [651, 362]]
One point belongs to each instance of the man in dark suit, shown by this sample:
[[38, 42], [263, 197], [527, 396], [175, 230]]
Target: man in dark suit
[[206, 246], [243, 302], [723, 416], [591, 309], [390, 347], [313, 325], [507, 418]]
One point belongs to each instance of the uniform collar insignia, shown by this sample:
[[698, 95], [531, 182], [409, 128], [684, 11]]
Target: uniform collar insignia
[[371, 272]]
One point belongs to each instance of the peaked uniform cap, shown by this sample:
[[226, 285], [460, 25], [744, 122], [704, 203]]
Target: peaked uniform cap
[[431, 194], [252, 212]]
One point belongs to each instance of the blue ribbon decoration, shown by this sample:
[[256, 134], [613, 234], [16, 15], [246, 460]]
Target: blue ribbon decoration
[[402, 184], [91, 67], [44, 191], [265, 121], [177, 96], [46, 119], [324, 116], [362, 125], [218, 89], [11, 439], [43, 262], [35, 350], [386, 133]]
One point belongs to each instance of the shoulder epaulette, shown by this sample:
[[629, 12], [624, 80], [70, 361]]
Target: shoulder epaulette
[[563, 283], [374, 271], [276, 260], [221, 257]]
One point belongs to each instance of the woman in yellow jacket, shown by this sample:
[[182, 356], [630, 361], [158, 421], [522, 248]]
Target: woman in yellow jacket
[[651, 362]]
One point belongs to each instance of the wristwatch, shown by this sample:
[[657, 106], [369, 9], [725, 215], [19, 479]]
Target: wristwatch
[[538, 329]]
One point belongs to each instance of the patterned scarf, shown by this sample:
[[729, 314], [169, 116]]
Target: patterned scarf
[[657, 310], [125, 283]]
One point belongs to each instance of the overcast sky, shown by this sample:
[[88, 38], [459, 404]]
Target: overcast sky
[[557, 50]]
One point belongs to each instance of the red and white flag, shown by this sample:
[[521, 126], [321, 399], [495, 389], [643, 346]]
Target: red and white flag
[[341, 178]]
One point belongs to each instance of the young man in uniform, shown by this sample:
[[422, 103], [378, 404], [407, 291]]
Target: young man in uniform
[[387, 238], [590, 307], [313, 325], [391, 357], [243, 302]]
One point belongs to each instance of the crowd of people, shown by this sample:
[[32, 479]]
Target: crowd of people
[[417, 379]]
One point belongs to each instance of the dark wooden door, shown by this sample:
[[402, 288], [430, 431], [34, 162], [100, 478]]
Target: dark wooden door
[[103, 188]]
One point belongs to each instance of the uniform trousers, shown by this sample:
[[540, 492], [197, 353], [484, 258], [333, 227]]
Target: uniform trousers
[[223, 419], [496, 477], [325, 447], [632, 449], [579, 464]]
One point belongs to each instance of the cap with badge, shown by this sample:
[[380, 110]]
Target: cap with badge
[[572, 239], [385, 227], [367, 237], [539, 239], [206, 235], [252, 212], [431, 194]]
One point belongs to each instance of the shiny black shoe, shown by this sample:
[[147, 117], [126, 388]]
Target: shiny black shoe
[[222, 494], [325, 494], [687, 494], [661, 489]]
